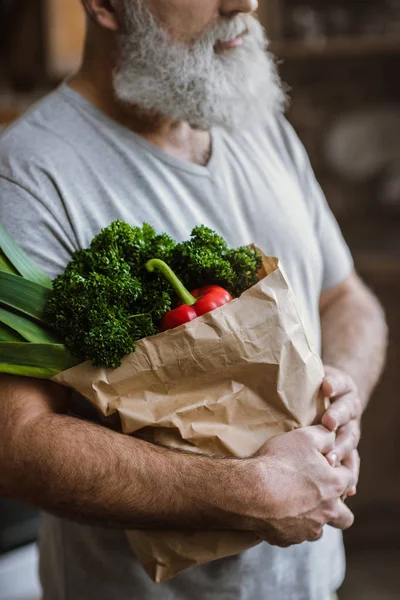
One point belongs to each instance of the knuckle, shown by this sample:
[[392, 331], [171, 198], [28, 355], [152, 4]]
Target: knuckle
[[338, 379], [331, 511], [349, 412], [342, 412], [315, 534], [343, 518], [331, 516], [341, 486], [349, 521], [341, 452], [306, 433], [286, 543], [279, 540], [351, 383], [348, 383], [357, 406], [354, 438]]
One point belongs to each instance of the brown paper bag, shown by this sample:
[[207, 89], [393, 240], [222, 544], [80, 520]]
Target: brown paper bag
[[236, 377]]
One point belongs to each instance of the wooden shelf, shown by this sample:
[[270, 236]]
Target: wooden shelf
[[357, 45]]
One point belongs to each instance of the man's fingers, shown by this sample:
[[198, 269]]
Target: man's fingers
[[320, 438], [336, 383], [346, 478], [347, 440], [352, 462], [344, 517], [342, 410]]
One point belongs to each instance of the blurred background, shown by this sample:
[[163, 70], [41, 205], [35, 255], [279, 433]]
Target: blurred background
[[341, 61]]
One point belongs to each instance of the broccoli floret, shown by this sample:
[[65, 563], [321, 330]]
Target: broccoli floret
[[245, 263], [106, 300], [201, 260], [205, 258]]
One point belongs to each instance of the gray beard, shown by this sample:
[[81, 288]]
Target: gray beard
[[193, 83]]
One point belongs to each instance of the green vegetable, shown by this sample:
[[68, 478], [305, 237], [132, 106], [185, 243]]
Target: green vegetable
[[206, 258], [27, 329], [28, 371], [106, 300], [7, 334], [53, 356], [22, 295], [13, 256], [6, 265], [24, 292]]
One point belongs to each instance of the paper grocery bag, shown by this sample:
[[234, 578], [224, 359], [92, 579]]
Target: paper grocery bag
[[235, 377]]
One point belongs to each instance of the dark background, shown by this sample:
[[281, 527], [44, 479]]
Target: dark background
[[341, 60]]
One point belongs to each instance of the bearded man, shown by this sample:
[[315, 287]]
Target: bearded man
[[175, 118]]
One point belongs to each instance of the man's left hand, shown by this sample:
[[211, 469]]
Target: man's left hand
[[344, 417]]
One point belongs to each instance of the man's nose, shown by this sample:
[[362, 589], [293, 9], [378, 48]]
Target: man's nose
[[231, 7]]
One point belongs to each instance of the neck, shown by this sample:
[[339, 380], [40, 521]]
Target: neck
[[177, 138]]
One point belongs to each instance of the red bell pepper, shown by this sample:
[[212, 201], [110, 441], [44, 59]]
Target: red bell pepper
[[195, 303]]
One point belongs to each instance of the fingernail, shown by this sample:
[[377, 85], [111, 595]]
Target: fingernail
[[333, 459]]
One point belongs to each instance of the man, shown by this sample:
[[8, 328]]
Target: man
[[175, 118]]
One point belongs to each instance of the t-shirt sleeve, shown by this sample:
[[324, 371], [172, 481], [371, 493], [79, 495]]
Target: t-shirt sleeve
[[337, 260], [35, 224]]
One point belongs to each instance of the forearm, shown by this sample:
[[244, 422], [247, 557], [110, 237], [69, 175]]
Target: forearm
[[354, 337], [85, 472]]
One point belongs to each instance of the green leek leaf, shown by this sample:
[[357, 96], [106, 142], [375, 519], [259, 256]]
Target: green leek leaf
[[21, 261], [26, 371], [29, 330], [45, 356], [23, 295], [9, 335], [5, 264]]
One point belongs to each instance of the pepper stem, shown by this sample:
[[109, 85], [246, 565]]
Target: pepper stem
[[184, 296]]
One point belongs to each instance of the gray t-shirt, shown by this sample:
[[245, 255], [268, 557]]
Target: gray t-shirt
[[66, 171]]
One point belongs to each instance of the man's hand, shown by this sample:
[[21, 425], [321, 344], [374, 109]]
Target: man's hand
[[343, 417], [85, 472], [301, 491]]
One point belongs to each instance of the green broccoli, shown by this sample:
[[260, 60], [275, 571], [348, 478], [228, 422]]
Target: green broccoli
[[106, 300], [205, 258]]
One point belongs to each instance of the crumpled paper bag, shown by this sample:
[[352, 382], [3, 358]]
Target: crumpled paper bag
[[236, 377]]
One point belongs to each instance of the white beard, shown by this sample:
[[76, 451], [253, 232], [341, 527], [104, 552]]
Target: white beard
[[193, 83]]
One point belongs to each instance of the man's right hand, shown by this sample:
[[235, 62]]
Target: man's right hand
[[82, 471], [298, 488]]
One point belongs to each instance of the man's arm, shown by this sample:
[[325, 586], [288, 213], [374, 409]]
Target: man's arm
[[354, 333], [85, 472], [354, 340]]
